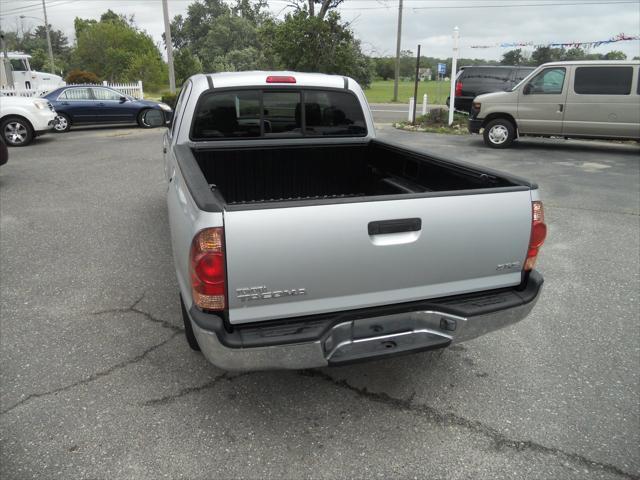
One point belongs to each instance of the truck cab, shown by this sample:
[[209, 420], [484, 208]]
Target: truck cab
[[18, 75]]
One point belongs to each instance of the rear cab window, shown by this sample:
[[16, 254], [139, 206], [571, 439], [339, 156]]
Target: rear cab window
[[277, 113], [607, 80]]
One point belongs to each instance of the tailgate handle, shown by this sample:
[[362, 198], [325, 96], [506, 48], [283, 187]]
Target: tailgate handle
[[399, 225]]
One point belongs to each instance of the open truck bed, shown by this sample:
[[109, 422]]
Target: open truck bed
[[254, 175]]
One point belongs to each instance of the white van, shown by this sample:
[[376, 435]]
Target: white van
[[582, 99]]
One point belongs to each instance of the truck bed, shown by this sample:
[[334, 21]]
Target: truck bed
[[253, 175]]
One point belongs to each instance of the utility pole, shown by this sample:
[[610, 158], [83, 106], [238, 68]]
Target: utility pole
[[167, 39], [46, 26], [454, 66], [397, 77]]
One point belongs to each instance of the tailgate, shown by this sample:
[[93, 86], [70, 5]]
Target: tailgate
[[305, 260]]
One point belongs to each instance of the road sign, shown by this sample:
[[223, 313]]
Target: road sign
[[442, 68]]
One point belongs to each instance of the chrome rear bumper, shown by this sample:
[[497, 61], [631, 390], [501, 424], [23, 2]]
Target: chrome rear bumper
[[364, 338]]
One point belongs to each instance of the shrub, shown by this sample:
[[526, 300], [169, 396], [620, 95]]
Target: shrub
[[169, 98], [77, 76]]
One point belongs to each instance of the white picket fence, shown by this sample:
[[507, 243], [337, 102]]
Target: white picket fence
[[134, 89]]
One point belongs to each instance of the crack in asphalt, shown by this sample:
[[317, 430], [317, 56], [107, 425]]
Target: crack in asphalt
[[94, 376], [188, 390], [499, 439], [134, 308]]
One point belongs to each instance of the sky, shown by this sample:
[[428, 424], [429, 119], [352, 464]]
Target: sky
[[426, 22]]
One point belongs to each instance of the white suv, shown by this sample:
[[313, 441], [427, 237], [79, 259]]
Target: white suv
[[22, 119]]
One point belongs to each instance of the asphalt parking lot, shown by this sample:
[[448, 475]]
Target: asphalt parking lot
[[97, 380]]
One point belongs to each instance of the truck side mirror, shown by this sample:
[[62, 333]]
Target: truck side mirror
[[123, 99], [527, 89]]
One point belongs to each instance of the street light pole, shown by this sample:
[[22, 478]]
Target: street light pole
[[46, 26], [167, 39], [397, 75]]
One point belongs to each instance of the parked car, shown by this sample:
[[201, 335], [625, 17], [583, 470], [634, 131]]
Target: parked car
[[476, 80], [23, 118], [581, 99], [301, 240], [88, 104]]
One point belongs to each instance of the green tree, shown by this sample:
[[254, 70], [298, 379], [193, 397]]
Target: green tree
[[546, 54], [220, 36], [513, 57], [81, 24], [575, 53], [615, 55], [34, 42], [116, 50], [185, 64], [313, 44], [315, 8], [384, 67]]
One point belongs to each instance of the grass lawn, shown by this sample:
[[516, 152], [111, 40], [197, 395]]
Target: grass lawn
[[381, 91], [153, 95]]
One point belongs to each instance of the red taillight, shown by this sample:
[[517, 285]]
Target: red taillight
[[280, 79], [538, 234], [207, 269], [458, 88]]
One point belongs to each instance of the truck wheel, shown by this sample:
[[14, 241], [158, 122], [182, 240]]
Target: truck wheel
[[62, 123], [188, 330], [499, 133], [16, 131]]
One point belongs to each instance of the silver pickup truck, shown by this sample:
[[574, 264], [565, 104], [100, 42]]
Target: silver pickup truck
[[300, 240]]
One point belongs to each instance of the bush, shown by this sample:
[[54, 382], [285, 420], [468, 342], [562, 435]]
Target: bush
[[169, 98], [77, 76]]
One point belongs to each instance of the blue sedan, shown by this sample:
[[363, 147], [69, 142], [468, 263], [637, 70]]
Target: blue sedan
[[92, 105]]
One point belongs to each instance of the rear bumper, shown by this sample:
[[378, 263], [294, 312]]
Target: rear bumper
[[462, 103], [373, 333]]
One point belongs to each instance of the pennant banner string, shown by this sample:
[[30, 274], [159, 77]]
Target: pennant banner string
[[621, 37]]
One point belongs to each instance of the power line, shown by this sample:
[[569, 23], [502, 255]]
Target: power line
[[36, 6], [521, 5], [33, 8], [528, 5]]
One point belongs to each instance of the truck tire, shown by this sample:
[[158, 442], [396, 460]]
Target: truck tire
[[188, 330], [16, 131], [499, 133]]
